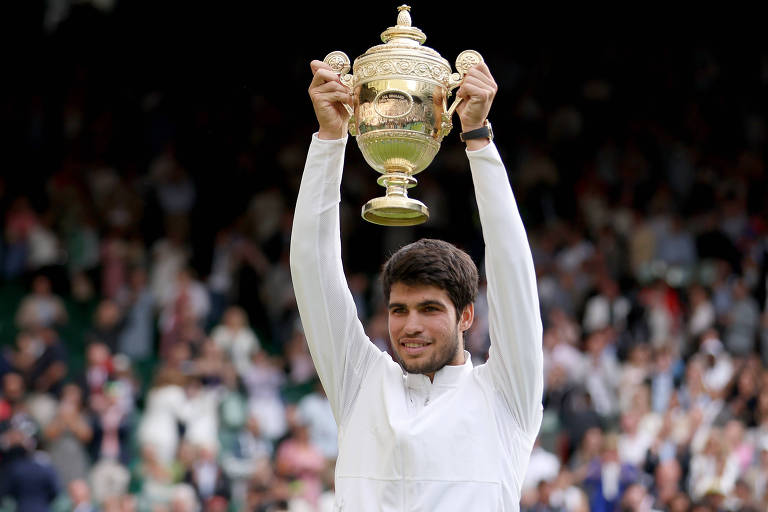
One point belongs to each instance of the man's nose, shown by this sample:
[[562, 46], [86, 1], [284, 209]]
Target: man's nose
[[413, 324]]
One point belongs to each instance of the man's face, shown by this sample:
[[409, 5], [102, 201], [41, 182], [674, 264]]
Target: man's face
[[423, 328]]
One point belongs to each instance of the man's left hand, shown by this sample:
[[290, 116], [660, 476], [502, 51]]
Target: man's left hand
[[478, 90]]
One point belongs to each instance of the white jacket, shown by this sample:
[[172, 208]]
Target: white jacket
[[461, 442]]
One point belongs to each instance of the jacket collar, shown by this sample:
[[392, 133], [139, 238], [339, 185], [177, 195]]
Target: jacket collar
[[447, 376]]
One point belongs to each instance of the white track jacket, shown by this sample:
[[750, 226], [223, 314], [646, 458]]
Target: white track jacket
[[461, 442]]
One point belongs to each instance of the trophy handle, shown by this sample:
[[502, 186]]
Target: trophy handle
[[464, 62], [339, 62]]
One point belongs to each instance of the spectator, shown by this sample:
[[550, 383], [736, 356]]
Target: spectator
[[701, 316], [98, 369], [79, 497], [314, 410], [713, 469], [107, 325], [41, 308], [636, 498], [183, 310], [663, 379], [109, 480], [544, 467], [602, 374], [19, 222], [67, 435], [30, 482], [742, 320], [166, 409], [607, 478], [236, 338], [50, 369], [14, 411], [206, 476], [263, 380], [111, 425], [153, 478], [608, 308], [300, 461], [138, 303]]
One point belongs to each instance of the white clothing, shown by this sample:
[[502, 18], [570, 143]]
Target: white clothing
[[239, 344], [315, 410], [462, 441], [165, 409], [543, 466]]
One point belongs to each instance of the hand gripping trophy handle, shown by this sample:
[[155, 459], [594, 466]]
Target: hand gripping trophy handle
[[464, 62], [340, 64]]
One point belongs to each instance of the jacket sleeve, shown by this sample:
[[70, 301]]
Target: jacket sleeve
[[340, 349], [515, 363]]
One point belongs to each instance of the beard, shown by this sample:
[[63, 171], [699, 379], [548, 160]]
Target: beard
[[442, 354]]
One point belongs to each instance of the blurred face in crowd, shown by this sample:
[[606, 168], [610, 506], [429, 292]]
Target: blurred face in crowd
[[592, 441], [98, 354], [234, 318], [13, 387], [633, 497], [72, 395], [108, 314], [79, 492], [138, 278], [41, 286], [680, 503], [424, 330]]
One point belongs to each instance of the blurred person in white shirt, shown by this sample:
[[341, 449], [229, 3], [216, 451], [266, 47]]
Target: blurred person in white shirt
[[236, 338]]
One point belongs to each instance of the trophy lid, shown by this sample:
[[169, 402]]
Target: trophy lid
[[403, 30], [402, 55]]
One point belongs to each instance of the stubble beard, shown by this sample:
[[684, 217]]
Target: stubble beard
[[442, 357]]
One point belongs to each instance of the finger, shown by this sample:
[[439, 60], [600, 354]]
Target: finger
[[474, 89], [331, 91], [333, 96], [478, 82], [318, 64], [323, 76], [330, 87], [478, 73], [482, 68]]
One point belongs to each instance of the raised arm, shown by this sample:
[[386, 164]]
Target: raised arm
[[337, 342], [515, 361]]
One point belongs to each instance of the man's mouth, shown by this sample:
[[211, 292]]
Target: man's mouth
[[414, 347]]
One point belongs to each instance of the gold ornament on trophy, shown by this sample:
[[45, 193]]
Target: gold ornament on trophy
[[400, 113]]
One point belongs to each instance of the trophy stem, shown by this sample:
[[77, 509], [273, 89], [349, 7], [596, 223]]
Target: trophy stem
[[396, 208], [397, 183]]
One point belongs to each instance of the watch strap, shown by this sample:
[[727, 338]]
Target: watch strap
[[484, 132]]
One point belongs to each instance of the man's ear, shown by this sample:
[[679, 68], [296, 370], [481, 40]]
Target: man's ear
[[467, 317]]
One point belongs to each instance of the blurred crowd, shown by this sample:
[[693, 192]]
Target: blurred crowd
[[151, 355]]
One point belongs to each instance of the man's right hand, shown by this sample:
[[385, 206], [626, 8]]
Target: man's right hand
[[328, 96]]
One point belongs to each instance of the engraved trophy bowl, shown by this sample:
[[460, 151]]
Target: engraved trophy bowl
[[400, 113]]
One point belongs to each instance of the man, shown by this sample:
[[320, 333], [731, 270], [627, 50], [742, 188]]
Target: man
[[428, 432]]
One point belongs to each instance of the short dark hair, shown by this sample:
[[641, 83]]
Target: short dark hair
[[436, 263]]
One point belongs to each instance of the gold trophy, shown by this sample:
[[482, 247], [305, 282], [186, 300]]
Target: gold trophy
[[400, 116]]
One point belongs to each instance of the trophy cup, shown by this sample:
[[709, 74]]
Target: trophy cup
[[400, 116]]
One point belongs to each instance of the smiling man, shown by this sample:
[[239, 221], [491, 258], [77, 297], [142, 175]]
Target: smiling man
[[430, 287], [426, 431]]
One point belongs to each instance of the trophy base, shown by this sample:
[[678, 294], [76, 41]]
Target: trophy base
[[395, 211]]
